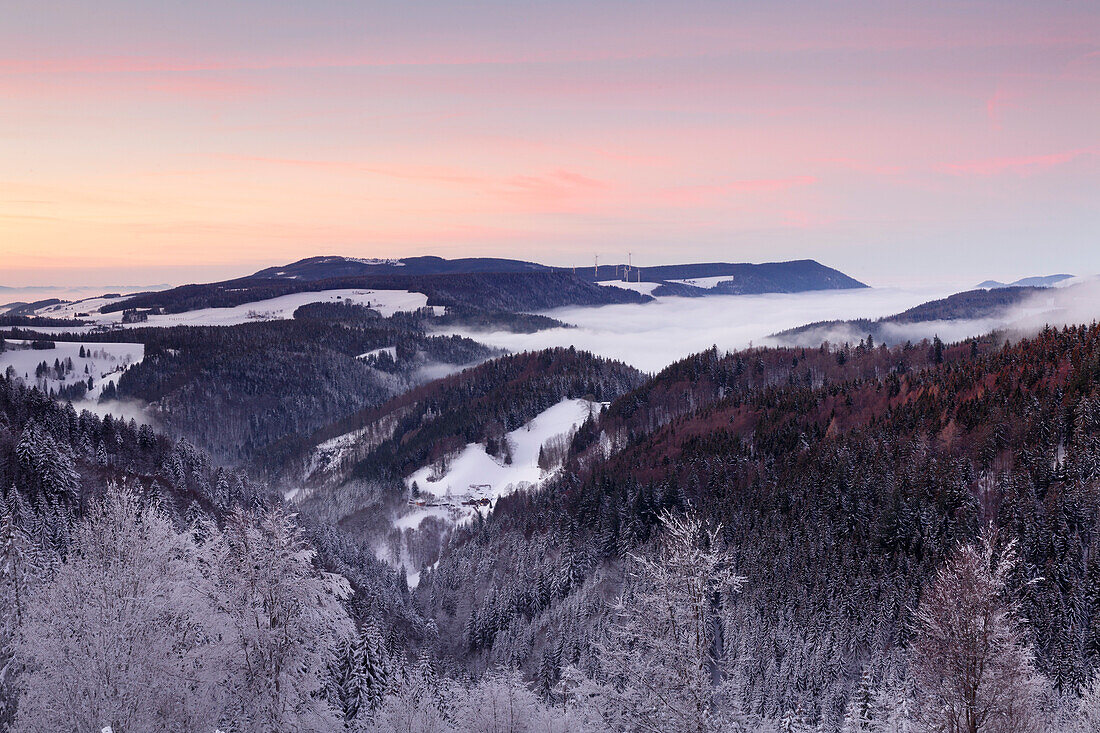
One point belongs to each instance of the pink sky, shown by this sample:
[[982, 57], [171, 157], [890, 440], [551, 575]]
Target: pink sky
[[899, 142]]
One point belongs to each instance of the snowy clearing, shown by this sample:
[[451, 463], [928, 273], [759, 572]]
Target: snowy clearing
[[102, 362], [391, 350], [473, 478], [705, 282], [10, 295], [644, 288], [386, 302]]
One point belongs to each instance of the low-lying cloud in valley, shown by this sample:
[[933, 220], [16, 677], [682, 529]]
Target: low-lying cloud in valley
[[653, 335], [1073, 302]]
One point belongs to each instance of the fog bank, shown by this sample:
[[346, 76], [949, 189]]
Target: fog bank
[[650, 336]]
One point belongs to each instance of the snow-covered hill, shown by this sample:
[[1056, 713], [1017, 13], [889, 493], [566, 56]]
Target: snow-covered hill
[[386, 302], [474, 479], [103, 363]]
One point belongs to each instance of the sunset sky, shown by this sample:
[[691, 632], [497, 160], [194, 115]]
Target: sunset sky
[[154, 142]]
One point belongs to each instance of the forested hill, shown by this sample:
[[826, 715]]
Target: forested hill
[[96, 501], [326, 267], [491, 291], [478, 405], [744, 277], [842, 481], [267, 380], [61, 459], [996, 304]]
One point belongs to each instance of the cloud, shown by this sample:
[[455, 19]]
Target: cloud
[[999, 100], [1077, 302], [554, 191], [437, 174], [120, 409], [653, 335], [691, 195]]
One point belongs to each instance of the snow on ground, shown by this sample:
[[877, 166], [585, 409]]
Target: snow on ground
[[104, 362], [86, 309], [386, 302], [705, 282], [391, 350], [328, 456], [474, 478], [644, 288]]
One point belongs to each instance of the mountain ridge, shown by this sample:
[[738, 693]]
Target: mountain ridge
[[786, 276], [1035, 281]]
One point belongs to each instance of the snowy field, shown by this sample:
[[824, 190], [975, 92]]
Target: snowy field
[[651, 336], [475, 476], [705, 282], [644, 288], [102, 362], [391, 350], [386, 302]]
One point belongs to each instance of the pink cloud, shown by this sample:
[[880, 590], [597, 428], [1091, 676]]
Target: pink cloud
[[692, 195], [1020, 165], [558, 191], [411, 172], [555, 191], [999, 100], [144, 65]]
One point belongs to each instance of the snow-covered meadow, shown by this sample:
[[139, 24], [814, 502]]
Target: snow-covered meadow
[[475, 477], [386, 302], [104, 363]]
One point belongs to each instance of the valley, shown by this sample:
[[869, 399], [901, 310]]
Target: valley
[[436, 454], [550, 367]]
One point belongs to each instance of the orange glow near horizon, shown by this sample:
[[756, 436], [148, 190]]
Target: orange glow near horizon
[[175, 139]]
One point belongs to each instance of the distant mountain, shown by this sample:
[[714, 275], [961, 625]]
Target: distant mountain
[[1041, 281], [493, 284], [743, 278], [28, 309], [490, 291], [966, 305], [326, 267], [969, 305]]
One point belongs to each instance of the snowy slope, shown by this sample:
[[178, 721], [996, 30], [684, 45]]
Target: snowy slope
[[643, 288], [86, 309], [705, 282], [386, 302], [391, 350], [104, 362], [475, 476], [647, 288]]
